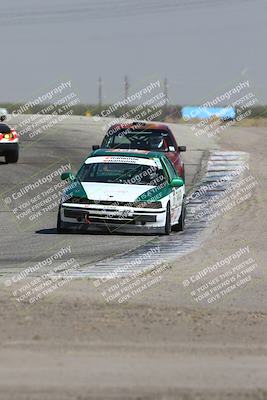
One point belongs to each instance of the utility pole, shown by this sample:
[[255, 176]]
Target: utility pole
[[126, 87], [100, 93], [165, 90]]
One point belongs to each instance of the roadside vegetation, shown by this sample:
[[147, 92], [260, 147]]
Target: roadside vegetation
[[170, 113]]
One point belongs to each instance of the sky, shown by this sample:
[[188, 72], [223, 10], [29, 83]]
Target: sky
[[203, 47]]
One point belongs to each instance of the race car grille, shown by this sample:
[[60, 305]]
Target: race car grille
[[81, 215], [136, 204]]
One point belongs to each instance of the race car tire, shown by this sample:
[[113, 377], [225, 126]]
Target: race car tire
[[168, 228], [181, 222], [12, 157], [60, 228]]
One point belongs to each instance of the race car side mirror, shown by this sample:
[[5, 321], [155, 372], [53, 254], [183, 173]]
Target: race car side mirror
[[177, 182], [3, 117], [182, 148], [67, 175], [95, 147]]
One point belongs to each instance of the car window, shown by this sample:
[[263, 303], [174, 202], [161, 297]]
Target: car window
[[4, 128], [172, 171], [142, 140], [166, 170], [123, 173]]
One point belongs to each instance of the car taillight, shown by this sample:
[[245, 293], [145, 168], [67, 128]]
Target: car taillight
[[14, 133], [8, 136]]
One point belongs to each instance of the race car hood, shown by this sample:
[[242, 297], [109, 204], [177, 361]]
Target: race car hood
[[113, 191]]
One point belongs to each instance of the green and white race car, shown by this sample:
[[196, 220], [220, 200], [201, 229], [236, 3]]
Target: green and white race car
[[129, 191]]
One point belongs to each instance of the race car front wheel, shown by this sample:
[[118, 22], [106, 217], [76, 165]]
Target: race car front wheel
[[181, 222], [12, 157], [60, 228], [168, 227]]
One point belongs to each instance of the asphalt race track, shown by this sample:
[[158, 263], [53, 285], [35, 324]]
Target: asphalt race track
[[69, 141]]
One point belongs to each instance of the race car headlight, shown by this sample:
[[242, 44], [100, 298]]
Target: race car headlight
[[79, 200], [66, 199], [148, 204]]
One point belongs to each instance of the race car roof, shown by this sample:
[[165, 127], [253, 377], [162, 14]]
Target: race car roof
[[139, 125], [4, 128], [127, 153]]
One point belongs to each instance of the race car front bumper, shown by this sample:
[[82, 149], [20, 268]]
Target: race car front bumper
[[121, 218]]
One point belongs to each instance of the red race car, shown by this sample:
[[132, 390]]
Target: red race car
[[145, 136], [9, 142]]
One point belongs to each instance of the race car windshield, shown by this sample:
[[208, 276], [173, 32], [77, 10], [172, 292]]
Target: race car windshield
[[135, 174], [141, 140]]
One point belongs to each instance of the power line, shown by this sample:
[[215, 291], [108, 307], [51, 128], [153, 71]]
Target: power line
[[100, 84], [126, 87], [166, 96]]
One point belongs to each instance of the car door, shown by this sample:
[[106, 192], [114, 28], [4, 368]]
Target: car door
[[176, 196]]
